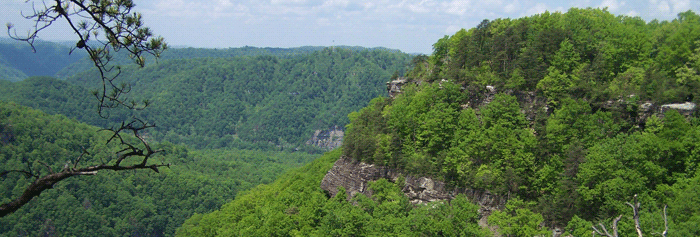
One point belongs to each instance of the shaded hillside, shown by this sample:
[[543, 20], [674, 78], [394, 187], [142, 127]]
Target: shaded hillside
[[49, 58], [135, 203], [121, 58], [261, 102], [265, 100], [296, 205]]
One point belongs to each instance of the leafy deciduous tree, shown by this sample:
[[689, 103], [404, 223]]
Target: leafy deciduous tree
[[123, 30]]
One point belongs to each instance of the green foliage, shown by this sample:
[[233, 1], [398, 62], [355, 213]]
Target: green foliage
[[585, 152], [264, 102], [365, 136], [582, 53], [294, 205], [118, 203], [576, 163], [244, 102], [518, 220], [579, 227]]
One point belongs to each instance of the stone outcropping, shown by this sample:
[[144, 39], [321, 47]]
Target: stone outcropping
[[394, 87], [686, 108], [327, 139], [354, 177], [647, 109]]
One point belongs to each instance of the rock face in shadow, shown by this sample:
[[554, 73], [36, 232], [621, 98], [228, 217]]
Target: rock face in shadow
[[394, 87], [327, 139], [354, 177]]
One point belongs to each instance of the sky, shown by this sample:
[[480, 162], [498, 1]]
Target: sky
[[411, 26]]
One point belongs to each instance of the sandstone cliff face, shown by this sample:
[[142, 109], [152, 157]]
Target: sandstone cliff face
[[354, 177], [327, 139], [394, 87]]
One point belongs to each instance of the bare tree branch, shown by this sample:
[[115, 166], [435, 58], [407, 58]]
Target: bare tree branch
[[635, 210], [47, 181], [637, 226], [123, 30], [665, 223], [605, 231], [665, 232]]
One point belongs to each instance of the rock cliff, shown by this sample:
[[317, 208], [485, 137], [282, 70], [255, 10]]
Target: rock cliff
[[327, 139], [354, 177]]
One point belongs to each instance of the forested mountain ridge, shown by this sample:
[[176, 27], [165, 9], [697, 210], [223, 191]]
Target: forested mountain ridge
[[575, 162], [584, 78], [251, 102], [121, 58], [136, 203], [18, 60], [263, 100]]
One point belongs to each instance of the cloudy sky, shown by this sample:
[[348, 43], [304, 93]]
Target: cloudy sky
[[408, 25]]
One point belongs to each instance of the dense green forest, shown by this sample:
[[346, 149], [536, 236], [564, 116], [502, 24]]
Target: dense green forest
[[586, 149], [565, 114], [122, 58], [561, 112], [295, 205], [263, 102], [328, 83], [134, 203]]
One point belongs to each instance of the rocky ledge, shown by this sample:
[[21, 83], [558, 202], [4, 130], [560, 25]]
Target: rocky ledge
[[354, 177], [327, 139]]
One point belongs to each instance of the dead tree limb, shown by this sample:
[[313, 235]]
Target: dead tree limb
[[665, 232], [102, 27], [47, 181], [635, 211], [605, 231]]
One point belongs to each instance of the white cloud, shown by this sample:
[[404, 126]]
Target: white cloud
[[287, 2], [452, 29], [537, 9], [512, 7], [457, 7], [661, 7], [423, 6], [195, 9], [612, 5], [680, 5]]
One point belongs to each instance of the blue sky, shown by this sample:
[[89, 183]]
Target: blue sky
[[410, 25]]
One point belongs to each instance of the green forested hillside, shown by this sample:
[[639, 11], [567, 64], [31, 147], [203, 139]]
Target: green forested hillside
[[280, 98], [122, 58], [575, 129], [261, 102], [587, 150], [8, 73], [131, 203], [295, 205], [18, 60], [589, 54]]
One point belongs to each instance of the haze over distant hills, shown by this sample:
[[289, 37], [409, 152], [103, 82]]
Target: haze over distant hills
[[256, 98]]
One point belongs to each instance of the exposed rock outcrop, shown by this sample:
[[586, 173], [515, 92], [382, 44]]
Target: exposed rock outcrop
[[327, 139], [686, 108], [354, 177], [646, 109], [394, 87]]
